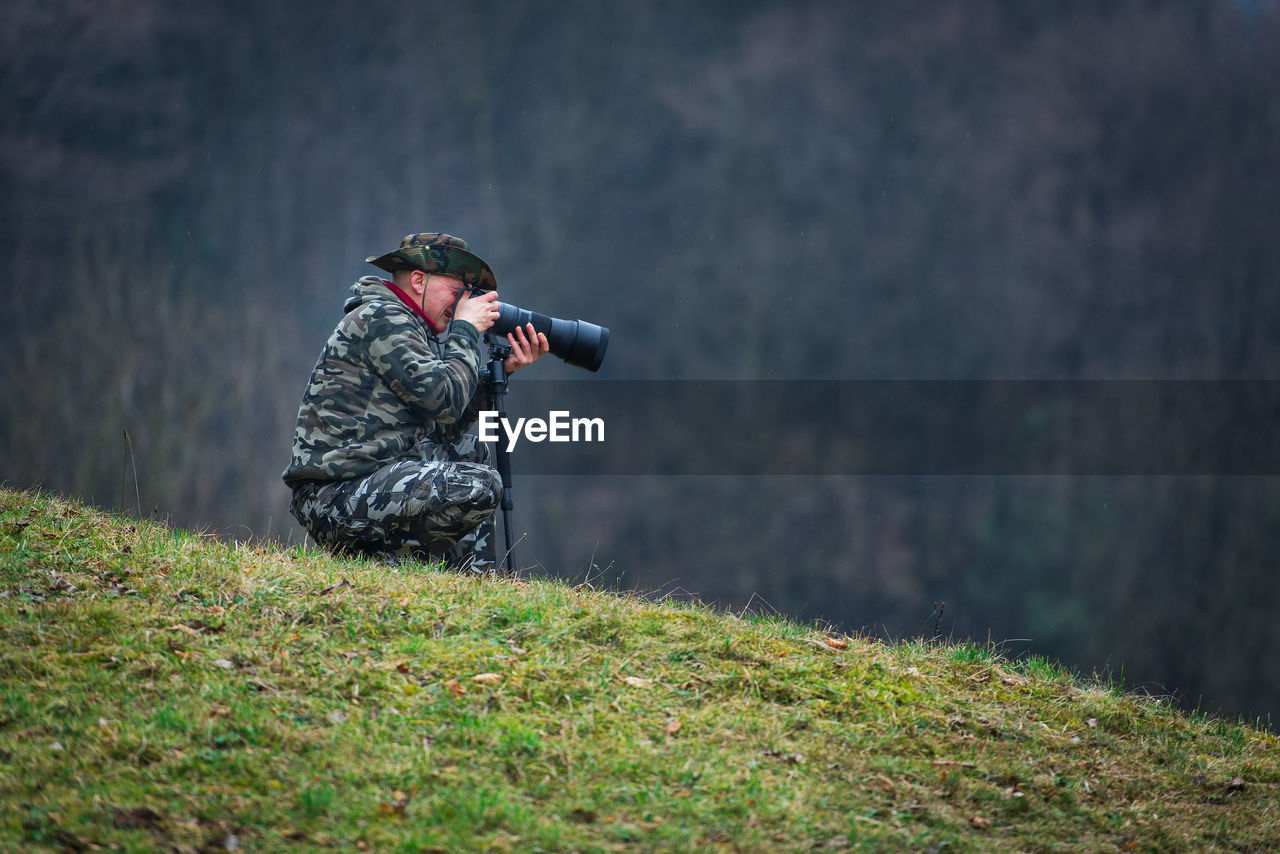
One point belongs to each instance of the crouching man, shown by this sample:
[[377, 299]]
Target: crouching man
[[382, 461]]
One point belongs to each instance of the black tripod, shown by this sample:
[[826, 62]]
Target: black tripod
[[499, 350]]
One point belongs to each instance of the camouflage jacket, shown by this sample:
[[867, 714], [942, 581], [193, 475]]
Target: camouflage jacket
[[383, 384]]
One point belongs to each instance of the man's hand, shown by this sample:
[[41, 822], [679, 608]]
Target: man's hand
[[480, 311], [525, 350]]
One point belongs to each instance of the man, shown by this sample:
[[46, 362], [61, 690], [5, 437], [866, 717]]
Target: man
[[382, 463]]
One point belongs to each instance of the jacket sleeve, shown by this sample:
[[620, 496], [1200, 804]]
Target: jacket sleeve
[[439, 388], [480, 401]]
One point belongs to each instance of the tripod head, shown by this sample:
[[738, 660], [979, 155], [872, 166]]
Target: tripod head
[[499, 350]]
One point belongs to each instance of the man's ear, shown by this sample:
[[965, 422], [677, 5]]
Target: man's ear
[[418, 281]]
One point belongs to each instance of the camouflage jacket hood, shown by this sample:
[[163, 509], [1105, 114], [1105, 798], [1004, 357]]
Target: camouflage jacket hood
[[383, 384]]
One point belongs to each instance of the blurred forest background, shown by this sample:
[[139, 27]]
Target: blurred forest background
[[755, 189]]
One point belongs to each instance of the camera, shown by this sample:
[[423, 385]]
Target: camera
[[577, 342]]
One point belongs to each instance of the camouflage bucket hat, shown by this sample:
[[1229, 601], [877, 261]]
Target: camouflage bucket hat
[[433, 252]]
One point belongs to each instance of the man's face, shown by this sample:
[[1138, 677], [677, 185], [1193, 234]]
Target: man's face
[[436, 295]]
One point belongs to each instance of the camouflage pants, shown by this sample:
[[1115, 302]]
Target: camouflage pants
[[435, 505]]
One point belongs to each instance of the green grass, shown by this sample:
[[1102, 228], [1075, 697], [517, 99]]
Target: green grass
[[160, 690]]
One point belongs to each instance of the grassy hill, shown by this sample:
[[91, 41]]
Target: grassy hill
[[166, 691]]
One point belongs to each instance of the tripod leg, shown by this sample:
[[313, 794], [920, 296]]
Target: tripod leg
[[498, 384]]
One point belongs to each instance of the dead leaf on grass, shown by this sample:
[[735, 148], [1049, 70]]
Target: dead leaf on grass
[[63, 586], [837, 643], [637, 682], [980, 822], [455, 687], [672, 727], [135, 817], [396, 806], [793, 758], [333, 587], [486, 678]]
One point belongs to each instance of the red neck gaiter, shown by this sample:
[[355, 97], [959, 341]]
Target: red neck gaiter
[[404, 298]]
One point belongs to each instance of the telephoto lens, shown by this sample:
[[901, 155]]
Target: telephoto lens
[[577, 342]]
